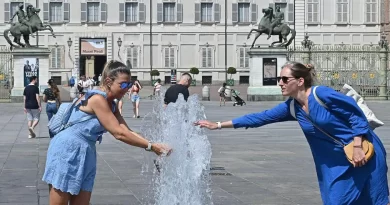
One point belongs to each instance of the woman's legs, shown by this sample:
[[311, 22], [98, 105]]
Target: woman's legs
[[57, 197], [134, 110], [220, 101], [82, 199], [137, 108]]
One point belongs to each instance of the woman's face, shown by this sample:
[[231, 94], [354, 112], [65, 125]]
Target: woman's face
[[120, 85], [287, 82]]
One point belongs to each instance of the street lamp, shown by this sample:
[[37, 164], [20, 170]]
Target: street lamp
[[119, 42], [69, 43]]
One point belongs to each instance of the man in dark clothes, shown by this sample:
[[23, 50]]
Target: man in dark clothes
[[173, 92]]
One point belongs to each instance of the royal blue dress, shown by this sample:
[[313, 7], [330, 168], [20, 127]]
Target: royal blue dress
[[71, 157], [340, 183]]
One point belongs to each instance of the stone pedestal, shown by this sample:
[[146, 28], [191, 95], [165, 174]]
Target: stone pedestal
[[265, 65], [37, 56]]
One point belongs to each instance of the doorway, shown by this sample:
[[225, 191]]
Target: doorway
[[92, 65]]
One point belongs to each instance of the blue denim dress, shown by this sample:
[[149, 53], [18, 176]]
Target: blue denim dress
[[71, 157]]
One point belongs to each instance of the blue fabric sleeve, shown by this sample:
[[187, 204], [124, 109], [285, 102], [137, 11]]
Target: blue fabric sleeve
[[344, 107], [279, 113]]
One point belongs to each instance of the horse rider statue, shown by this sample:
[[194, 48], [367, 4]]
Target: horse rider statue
[[278, 20], [273, 25], [22, 18]]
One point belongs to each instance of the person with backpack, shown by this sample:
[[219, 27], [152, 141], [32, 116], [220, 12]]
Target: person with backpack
[[349, 157], [71, 157], [222, 94], [52, 98]]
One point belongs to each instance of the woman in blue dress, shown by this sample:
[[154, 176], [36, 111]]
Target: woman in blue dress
[[71, 158], [340, 182]]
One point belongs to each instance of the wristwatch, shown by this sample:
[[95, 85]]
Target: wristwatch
[[149, 148], [219, 125]]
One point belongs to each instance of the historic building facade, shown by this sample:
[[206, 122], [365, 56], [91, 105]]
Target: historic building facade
[[184, 34]]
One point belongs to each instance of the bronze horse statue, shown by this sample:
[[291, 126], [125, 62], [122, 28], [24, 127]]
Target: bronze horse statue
[[282, 30], [18, 30]]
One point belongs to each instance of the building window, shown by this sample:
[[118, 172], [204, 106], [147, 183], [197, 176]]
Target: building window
[[93, 11], [169, 57], [342, 11], [207, 57], [206, 12], [131, 12], [56, 12], [371, 11], [243, 12], [313, 7], [244, 57], [56, 57], [169, 12], [132, 56]]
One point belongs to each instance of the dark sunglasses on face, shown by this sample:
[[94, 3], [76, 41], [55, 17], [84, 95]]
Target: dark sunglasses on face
[[126, 85], [284, 79]]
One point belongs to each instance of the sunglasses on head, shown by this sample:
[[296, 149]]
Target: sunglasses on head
[[284, 79], [126, 85]]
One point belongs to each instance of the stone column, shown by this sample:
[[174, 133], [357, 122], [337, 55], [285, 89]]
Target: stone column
[[306, 56], [384, 45], [383, 75]]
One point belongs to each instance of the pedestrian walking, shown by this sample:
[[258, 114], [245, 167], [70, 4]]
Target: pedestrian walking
[[52, 98], [32, 105]]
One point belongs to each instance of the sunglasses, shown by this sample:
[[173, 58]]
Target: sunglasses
[[284, 79], [126, 85]]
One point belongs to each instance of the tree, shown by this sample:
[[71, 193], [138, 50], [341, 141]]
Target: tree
[[155, 73], [194, 71], [231, 71]]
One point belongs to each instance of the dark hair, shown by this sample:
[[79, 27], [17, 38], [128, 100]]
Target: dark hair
[[224, 85], [112, 69], [187, 74], [32, 78], [54, 88], [299, 70], [159, 80]]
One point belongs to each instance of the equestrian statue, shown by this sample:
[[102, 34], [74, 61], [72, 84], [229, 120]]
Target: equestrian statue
[[26, 26], [272, 24]]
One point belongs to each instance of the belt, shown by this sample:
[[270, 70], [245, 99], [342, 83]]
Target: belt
[[51, 101]]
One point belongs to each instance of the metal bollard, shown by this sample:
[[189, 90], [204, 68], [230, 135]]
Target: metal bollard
[[206, 93], [73, 92]]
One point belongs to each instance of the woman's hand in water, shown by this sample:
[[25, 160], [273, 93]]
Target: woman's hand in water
[[207, 124], [160, 149]]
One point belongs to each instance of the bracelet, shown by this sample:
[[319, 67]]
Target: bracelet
[[219, 125], [357, 146]]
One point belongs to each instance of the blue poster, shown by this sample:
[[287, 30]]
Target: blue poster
[[30, 68]]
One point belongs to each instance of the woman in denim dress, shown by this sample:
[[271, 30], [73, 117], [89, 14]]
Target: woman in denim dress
[[340, 182], [71, 158]]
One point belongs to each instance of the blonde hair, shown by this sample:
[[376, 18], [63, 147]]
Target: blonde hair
[[112, 69]]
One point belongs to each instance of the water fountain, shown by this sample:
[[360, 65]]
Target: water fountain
[[183, 177]]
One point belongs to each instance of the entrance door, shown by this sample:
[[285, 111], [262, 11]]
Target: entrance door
[[90, 67]]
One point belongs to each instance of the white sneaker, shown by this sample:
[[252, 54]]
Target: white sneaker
[[32, 133], [29, 137]]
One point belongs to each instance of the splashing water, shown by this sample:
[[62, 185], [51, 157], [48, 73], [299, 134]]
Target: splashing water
[[184, 175]]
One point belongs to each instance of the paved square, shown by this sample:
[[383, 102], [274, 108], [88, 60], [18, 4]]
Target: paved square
[[268, 165]]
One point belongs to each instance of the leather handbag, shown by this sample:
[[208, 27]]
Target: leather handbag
[[367, 146]]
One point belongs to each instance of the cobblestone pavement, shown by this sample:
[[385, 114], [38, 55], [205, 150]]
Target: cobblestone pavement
[[268, 165]]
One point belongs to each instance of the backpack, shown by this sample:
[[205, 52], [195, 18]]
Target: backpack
[[371, 118], [60, 120]]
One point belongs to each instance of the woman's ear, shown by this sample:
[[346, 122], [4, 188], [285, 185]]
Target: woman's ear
[[301, 82], [108, 82]]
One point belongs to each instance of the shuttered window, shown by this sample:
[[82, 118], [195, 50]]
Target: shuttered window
[[169, 57], [207, 57]]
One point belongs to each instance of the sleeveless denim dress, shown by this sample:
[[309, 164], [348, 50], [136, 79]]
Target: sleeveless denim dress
[[71, 156]]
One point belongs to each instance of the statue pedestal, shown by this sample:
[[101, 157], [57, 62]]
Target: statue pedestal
[[38, 65], [265, 65]]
